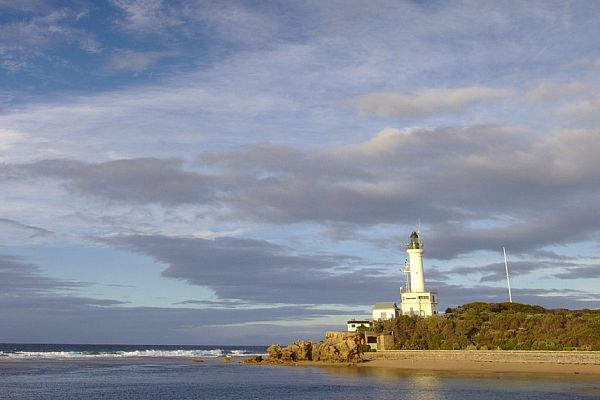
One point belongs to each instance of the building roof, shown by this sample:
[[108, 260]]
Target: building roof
[[384, 304]]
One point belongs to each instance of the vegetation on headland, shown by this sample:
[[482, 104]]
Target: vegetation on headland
[[505, 326]]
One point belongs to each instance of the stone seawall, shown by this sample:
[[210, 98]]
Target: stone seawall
[[504, 356]]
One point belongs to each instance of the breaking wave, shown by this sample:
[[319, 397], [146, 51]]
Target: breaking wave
[[213, 353]]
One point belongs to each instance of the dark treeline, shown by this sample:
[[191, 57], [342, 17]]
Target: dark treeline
[[506, 326]]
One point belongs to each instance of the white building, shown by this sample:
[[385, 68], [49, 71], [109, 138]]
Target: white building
[[385, 310], [416, 300], [354, 324]]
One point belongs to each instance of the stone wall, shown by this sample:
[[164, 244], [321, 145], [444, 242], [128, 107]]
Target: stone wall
[[557, 357], [385, 342]]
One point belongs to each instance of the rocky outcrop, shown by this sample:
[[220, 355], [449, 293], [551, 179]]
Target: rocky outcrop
[[300, 350], [338, 347], [254, 360]]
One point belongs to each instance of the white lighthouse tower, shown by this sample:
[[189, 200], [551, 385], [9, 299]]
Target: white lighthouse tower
[[415, 299]]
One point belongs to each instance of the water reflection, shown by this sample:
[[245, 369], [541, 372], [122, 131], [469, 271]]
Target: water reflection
[[434, 385]]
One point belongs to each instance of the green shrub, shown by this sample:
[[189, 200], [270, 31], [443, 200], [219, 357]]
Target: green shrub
[[365, 348], [507, 326]]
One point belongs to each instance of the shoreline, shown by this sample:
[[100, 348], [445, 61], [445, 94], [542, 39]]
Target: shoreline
[[494, 361], [484, 367], [476, 361], [584, 364]]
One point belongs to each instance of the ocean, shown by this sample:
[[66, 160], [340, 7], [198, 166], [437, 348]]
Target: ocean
[[35, 371]]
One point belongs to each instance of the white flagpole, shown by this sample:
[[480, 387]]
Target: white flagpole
[[507, 278]]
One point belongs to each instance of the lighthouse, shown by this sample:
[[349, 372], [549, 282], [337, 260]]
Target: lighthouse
[[416, 300]]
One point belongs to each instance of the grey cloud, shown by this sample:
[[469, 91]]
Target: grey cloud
[[18, 277], [70, 322], [524, 190], [141, 180], [261, 272], [37, 311], [244, 271], [543, 187], [40, 309], [495, 272], [14, 232], [229, 303], [584, 272], [582, 113], [548, 91], [456, 295], [551, 255], [427, 102], [448, 241]]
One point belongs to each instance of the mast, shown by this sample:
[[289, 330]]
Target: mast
[[507, 276]]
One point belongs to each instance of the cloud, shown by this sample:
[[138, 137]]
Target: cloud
[[16, 233], [134, 61], [257, 271], [142, 180], [549, 91], [226, 303], [40, 309], [19, 278], [68, 320], [35, 308], [24, 41], [456, 295], [427, 102], [585, 112], [146, 16], [495, 272], [234, 23], [9, 138], [580, 272], [476, 188]]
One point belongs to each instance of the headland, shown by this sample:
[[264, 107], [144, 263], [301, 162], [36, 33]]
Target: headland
[[476, 337]]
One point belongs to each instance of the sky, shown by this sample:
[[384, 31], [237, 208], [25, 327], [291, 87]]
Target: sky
[[206, 172]]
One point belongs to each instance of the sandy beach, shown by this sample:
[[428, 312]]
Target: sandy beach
[[475, 366], [581, 363], [518, 362]]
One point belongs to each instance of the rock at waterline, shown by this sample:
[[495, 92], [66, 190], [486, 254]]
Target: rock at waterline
[[254, 360], [338, 347]]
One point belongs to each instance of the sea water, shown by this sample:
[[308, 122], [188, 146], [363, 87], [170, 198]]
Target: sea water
[[169, 372]]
